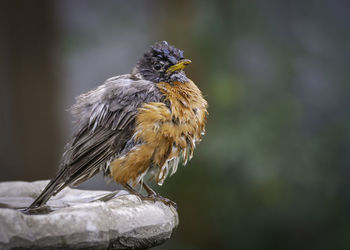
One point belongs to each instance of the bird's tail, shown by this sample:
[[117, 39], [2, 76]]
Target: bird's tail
[[50, 190]]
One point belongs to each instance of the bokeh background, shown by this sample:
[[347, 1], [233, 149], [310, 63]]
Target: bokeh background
[[273, 171]]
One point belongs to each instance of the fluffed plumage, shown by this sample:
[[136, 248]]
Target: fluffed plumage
[[149, 119]]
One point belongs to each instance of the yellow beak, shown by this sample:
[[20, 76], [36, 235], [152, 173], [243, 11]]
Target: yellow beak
[[179, 66]]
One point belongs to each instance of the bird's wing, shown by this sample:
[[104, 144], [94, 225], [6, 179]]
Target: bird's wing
[[105, 122]]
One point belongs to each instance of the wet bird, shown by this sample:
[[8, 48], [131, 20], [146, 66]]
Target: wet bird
[[145, 122]]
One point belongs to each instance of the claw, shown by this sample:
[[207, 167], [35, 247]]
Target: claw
[[157, 197], [152, 195]]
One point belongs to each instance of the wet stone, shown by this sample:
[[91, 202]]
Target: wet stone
[[80, 221]]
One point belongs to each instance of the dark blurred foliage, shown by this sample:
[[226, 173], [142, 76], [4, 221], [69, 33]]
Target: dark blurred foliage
[[273, 170]]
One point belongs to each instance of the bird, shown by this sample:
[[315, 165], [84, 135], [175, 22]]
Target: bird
[[144, 122]]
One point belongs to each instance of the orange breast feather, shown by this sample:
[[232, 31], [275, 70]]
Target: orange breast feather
[[166, 134]]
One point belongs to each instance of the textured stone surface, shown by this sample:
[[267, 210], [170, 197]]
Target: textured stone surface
[[80, 221]]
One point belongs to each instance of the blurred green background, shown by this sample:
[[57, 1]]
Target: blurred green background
[[272, 171]]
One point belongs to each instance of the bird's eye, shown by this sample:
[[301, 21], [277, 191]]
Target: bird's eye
[[157, 66]]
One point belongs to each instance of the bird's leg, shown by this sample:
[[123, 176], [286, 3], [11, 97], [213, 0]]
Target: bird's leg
[[132, 191], [152, 195], [150, 191]]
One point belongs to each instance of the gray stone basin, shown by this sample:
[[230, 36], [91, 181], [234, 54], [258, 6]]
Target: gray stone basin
[[80, 221]]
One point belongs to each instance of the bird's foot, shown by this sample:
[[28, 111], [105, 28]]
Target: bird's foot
[[157, 197], [152, 195]]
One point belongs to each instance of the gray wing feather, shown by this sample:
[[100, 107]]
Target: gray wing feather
[[105, 121]]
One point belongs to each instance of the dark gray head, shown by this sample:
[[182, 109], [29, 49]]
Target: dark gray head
[[162, 62]]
